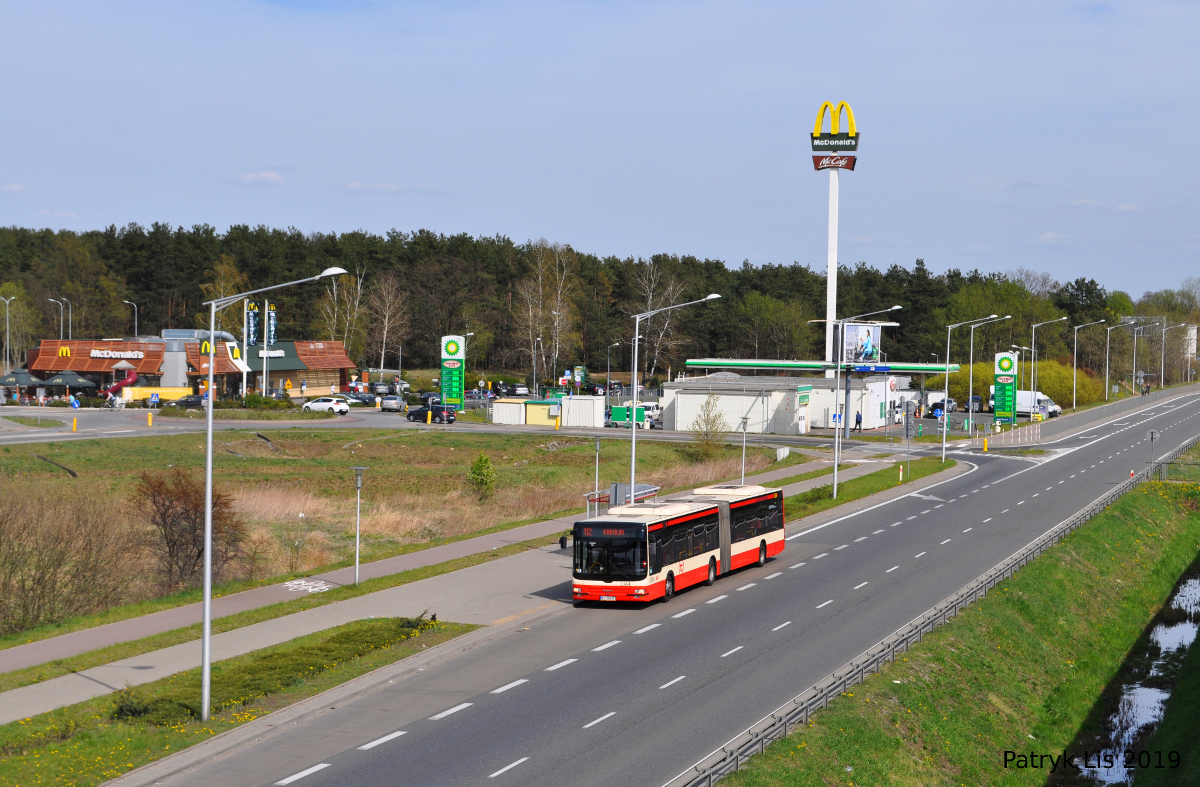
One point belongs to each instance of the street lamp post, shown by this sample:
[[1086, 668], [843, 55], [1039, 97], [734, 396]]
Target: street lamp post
[[1016, 405], [536, 343], [608, 375], [1075, 359], [1162, 362], [70, 319], [745, 422], [206, 623], [60, 317], [358, 477], [971, 375], [1033, 372], [633, 427], [135, 316], [946, 394], [7, 363]]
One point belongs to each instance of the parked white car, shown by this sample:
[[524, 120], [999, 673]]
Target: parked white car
[[338, 406]]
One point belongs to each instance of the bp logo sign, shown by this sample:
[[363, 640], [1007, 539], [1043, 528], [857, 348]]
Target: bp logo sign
[[451, 349], [1004, 363], [452, 370]]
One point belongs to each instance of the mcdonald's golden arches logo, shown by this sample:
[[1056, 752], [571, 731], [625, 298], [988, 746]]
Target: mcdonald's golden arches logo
[[835, 139], [64, 351], [205, 347], [237, 353]]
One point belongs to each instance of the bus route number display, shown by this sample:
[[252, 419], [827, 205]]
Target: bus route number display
[[609, 531]]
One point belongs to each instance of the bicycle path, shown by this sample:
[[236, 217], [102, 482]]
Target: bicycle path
[[74, 643]]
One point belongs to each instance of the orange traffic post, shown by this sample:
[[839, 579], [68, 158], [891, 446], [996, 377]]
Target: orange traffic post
[[149, 419], [429, 416], [985, 445], [74, 424]]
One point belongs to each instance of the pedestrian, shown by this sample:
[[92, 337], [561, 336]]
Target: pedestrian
[[303, 387], [332, 388], [858, 421]]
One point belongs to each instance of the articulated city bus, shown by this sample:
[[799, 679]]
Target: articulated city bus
[[649, 550]]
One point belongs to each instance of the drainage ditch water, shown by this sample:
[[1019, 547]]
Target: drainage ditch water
[[1151, 673]]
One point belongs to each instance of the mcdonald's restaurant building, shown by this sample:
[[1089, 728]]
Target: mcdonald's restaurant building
[[178, 361]]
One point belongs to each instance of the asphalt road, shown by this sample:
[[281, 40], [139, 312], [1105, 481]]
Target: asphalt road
[[612, 695]]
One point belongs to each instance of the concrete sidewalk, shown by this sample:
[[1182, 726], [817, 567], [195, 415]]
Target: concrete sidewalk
[[67, 645], [519, 588]]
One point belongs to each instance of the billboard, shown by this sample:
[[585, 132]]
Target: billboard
[[454, 365], [862, 343], [1004, 400]]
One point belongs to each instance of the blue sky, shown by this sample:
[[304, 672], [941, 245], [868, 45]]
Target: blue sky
[[1057, 137]]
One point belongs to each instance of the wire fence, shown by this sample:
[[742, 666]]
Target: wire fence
[[734, 754]]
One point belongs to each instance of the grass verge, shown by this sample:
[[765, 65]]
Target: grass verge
[[94, 658], [812, 474], [92, 742], [24, 420], [247, 415], [1020, 670], [820, 499]]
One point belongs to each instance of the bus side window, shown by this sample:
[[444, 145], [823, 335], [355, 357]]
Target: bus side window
[[655, 553], [684, 535], [714, 532], [667, 545], [774, 515], [737, 524]]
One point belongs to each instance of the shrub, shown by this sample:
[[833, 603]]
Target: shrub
[[173, 502], [256, 402], [59, 557], [709, 428], [482, 475]]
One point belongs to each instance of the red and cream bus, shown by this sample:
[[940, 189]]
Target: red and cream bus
[[649, 550]]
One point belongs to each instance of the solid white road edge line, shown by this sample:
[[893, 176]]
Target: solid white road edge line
[[386, 738]]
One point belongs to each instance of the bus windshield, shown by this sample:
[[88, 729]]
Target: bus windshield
[[610, 558]]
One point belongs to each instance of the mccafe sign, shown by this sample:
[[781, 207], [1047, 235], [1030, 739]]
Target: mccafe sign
[[834, 162], [135, 355]]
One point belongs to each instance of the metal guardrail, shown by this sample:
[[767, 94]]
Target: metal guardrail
[[734, 754], [1068, 422]]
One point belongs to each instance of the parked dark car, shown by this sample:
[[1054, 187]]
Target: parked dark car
[[187, 402], [428, 398], [591, 389], [365, 398], [442, 414], [501, 388]]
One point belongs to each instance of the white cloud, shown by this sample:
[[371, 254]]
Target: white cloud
[[354, 185], [56, 214], [1127, 208], [1087, 203], [267, 177], [12, 187], [1050, 237]]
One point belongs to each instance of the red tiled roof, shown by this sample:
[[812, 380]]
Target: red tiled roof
[[79, 356], [324, 355]]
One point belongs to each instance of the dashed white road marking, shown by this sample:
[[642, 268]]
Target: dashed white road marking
[[608, 715], [939, 505], [781, 625], [918, 555], [731, 652], [572, 661], [877, 532], [672, 682], [644, 629], [747, 586], [715, 600], [859, 585], [507, 767], [860, 538], [457, 708], [301, 774], [823, 554], [914, 516], [926, 511], [890, 570], [394, 735], [827, 603], [947, 541], [685, 612], [968, 530], [776, 574], [606, 646], [797, 565], [1035, 494], [989, 519], [893, 524], [1021, 503], [1005, 511], [504, 688], [843, 546]]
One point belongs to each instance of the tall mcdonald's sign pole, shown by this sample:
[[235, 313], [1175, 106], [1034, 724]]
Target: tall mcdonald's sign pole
[[835, 140]]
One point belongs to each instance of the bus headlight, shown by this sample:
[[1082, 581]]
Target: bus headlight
[[639, 592], [578, 591]]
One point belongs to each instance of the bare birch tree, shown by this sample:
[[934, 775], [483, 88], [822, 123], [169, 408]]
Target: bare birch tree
[[388, 306], [340, 310], [544, 306], [656, 288]]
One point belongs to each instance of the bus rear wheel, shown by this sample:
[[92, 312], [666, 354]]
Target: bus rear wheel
[[712, 571], [669, 588], [762, 554]]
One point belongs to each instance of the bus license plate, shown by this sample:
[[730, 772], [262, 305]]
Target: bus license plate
[[608, 598]]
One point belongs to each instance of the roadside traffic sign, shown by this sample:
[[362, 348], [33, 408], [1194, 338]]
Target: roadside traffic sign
[[1152, 435], [153, 398]]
